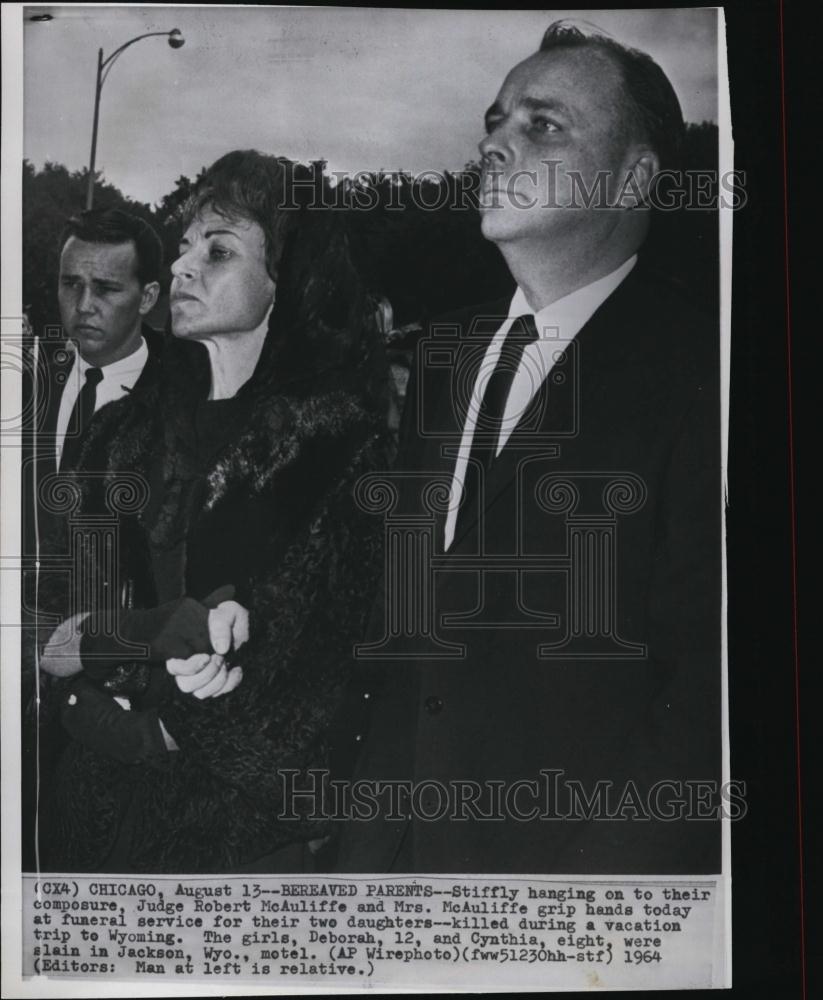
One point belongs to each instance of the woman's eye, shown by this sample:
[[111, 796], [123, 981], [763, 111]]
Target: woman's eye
[[544, 125], [217, 252]]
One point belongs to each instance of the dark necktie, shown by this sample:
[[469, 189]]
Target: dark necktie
[[493, 408], [80, 417]]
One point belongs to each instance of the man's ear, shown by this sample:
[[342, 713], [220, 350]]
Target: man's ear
[[634, 192], [149, 296]]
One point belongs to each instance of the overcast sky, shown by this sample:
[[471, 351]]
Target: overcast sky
[[361, 88]]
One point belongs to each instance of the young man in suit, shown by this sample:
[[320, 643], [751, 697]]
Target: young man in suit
[[109, 270], [563, 703], [110, 264], [108, 283]]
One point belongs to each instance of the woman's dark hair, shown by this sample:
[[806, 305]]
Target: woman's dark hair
[[654, 110], [249, 185], [116, 227], [323, 316]]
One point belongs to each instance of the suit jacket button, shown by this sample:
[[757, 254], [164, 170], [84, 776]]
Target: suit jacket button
[[433, 705]]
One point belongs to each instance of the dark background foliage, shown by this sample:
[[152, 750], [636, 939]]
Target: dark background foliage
[[416, 249]]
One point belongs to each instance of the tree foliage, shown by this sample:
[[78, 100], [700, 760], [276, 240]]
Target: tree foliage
[[417, 239]]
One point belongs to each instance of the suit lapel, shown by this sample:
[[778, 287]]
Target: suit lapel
[[547, 418], [522, 444], [60, 364], [47, 384]]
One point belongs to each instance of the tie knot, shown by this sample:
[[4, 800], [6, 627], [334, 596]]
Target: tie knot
[[524, 329], [93, 376]]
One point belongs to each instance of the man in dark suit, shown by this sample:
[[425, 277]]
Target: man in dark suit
[[541, 689], [109, 275], [108, 282]]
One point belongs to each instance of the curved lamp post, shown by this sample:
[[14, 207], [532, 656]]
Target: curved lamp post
[[176, 41]]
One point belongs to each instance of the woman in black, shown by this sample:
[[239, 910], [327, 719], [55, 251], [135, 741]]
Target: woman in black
[[249, 571]]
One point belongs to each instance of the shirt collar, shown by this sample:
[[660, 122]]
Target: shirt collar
[[134, 362], [567, 315]]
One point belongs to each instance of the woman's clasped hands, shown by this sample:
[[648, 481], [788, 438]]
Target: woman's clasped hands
[[206, 675]]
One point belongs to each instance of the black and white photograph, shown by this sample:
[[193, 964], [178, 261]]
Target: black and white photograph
[[369, 554]]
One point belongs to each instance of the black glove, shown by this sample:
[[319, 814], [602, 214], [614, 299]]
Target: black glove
[[99, 723], [178, 629], [217, 597]]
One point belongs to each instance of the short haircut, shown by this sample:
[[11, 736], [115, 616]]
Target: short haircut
[[250, 185], [114, 226], [654, 109]]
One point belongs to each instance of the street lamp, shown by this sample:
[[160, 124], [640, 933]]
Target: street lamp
[[176, 41]]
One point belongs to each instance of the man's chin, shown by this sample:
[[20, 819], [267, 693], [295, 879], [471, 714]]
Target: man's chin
[[497, 225], [89, 346], [96, 347], [86, 336]]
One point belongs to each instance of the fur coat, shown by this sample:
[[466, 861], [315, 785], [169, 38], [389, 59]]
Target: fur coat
[[311, 556]]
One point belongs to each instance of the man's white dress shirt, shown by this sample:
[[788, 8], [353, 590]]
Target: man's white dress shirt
[[557, 326], [118, 378]]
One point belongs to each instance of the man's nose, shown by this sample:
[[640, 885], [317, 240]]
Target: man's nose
[[494, 147], [86, 302]]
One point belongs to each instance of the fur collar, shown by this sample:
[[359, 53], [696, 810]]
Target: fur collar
[[276, 432], [283, 414]]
